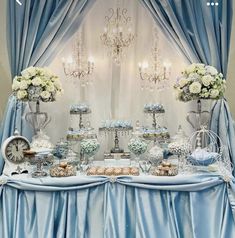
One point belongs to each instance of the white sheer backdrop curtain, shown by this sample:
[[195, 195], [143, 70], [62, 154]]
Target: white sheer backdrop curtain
[[116, 92]]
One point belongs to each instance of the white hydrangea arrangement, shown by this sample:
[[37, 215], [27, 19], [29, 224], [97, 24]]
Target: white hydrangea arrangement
[[137, 146], [200, 81], [35, 84], [89, 146]]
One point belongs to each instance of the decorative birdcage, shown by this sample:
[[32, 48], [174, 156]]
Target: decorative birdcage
[[206, 147], [207, 152]]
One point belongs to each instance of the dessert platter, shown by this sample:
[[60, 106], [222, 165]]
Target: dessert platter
[[113, 171], [165, 169], [159, 134], [75, 135], [62, 170]]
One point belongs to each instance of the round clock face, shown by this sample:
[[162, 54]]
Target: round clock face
[[14, 149]]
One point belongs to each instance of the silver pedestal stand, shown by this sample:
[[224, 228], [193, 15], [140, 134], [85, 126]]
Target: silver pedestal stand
[[155, 114], [80, 114], [116, 130], [71, 154], [198, 116], [39, 159], [39, 120], [199, 119]]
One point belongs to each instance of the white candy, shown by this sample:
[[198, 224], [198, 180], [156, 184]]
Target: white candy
[[179, 148]]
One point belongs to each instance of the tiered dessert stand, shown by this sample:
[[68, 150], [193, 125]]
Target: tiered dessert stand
[[116, 127]]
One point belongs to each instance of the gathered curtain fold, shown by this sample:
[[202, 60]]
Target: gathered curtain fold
[[37, 30], [202, 34]]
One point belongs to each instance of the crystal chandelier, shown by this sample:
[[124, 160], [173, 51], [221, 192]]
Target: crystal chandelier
[[77, 66], [157, 74], [117, 34]]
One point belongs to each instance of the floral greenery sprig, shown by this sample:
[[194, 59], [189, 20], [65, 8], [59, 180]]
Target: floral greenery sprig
[[137, 146], [200, 81], [89, 146], [36, 83]]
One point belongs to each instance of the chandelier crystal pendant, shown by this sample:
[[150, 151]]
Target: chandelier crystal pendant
[[117, 36], [156, 74], [79, 66]]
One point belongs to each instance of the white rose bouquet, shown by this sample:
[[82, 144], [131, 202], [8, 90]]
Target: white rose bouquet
[[35, 84], [200, 81]]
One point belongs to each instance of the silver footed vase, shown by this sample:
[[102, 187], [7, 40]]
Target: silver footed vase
[[38, 121], [199, 118]]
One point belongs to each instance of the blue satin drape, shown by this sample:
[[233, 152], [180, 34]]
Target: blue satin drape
[[37, 30], [196, 206], [202, 34], [223, 125]]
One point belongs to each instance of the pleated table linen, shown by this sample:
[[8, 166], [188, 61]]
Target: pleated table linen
[[197, 206]]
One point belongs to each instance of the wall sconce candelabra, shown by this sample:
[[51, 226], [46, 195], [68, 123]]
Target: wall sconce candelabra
[[157, 73], [77, 66], [117, 34]]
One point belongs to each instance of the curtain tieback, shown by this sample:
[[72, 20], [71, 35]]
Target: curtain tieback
[[112, 179], [3, 181]]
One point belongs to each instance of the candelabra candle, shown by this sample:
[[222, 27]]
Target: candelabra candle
[[154, 76], [164, 72], [157, 73], [76, 66]]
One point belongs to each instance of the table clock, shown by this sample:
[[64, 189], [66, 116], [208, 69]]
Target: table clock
[[13, 148]]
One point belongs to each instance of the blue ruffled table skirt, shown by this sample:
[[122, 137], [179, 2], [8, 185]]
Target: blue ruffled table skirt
[[196, 206]]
